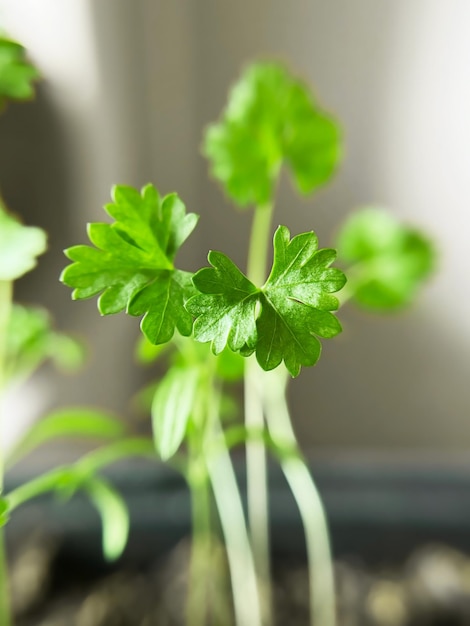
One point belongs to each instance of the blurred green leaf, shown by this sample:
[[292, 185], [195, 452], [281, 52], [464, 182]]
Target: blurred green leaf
[[230, 365], [70, 422], [19, 246], [271, 117], [16, 74], [114, 516], [31, 340], [389, 260], [172, 406]]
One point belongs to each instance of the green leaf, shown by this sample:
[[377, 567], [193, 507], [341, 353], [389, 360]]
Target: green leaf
[[162, 305], [31, 340], [132, 263], [226, 311], [281, 321], [114, 516], [172, 406], [16, 74], [271, 118], [389, 259], [69, 422], [19, 246]]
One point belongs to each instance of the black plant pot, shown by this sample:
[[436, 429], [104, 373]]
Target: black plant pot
[[380, 512]]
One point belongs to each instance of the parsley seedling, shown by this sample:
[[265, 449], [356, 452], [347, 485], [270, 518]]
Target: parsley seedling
[[264, 319]]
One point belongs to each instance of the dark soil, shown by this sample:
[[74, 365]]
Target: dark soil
[[432, 588]]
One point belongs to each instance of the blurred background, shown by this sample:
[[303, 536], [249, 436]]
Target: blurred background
[[128, 87]]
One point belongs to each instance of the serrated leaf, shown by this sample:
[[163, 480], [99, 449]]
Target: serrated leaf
[[172, 406], [16, 74], [271, 118], [225, 311], [68, 422], [161, 302], [280, 321], [31, 340], [131, 264], [19, 246], [389, 259], [114, 516]]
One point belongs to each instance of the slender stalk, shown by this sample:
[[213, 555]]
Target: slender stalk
[[320, 565], [259, 244], [197, 607], [246, 600], [6, 297], [257, 490]]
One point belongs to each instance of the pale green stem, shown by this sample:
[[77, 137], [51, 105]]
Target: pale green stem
[[239, 555], [6, 297], [320, 565], [198, 600], [257, 489], [197, 607]]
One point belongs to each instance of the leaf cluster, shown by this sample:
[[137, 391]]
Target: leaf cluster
[[132, 265]]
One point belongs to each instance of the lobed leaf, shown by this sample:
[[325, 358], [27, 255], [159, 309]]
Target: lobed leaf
[[282, 320], [271, 118], [16, 74], [19, 246], [389, 260], [225, 309], [131, 265]]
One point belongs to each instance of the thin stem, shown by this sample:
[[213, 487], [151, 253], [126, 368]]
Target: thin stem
[[239, 555], [320, 565], [6, 297], [198, 480], [5, 616], [197, 607], [257, 489], [259, 244]]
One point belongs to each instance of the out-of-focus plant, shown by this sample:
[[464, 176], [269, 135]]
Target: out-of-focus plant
[[27, 340]]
